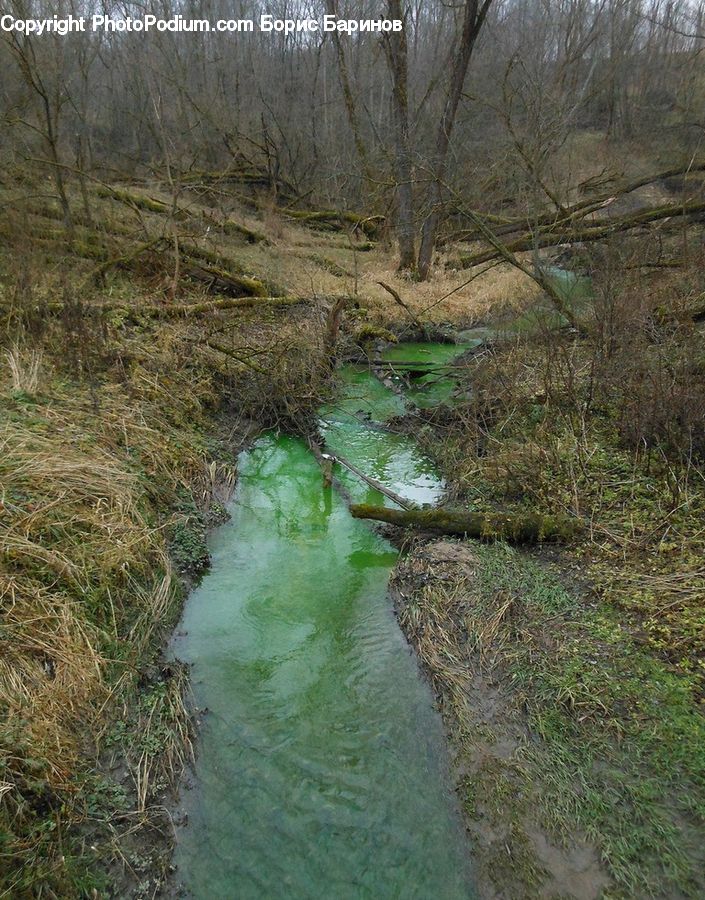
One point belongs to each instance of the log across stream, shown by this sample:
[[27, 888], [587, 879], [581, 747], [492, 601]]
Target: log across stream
[[321, 767]]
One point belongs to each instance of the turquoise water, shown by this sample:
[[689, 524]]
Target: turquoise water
[[321, 767]]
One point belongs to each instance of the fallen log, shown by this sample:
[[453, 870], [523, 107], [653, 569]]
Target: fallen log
[[250, 175], [139, 201], [230, 226], [181, 213], [220, 281], [193, 265], [178, 311], [217, 271], [323, 262], [189, 310], [124, 260], [516, 528], [334, 219], [552, 237], [554, 220]]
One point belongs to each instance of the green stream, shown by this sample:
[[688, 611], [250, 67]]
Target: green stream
[[321, 767], [428, 368]]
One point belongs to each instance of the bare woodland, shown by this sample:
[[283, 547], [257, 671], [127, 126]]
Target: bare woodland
[[472, 108]]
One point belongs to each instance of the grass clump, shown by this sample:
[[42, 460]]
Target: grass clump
[[86, 586]]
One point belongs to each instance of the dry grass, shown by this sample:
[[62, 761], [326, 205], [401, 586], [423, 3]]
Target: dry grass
[[83, 568], [25, 368], [87, 473], [462, 298]]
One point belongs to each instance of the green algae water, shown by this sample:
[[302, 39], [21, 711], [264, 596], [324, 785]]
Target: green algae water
[[428, 368], [321, 762], [351, 428]]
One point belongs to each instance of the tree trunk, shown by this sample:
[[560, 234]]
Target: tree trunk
[[397, 59], [473, 20], [349, 99], [332, 329], [520, 528]]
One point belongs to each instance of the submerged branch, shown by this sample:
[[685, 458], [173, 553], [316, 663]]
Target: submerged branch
[[373, 483]]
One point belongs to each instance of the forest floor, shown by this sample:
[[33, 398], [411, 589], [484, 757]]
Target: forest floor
[[120, 425]]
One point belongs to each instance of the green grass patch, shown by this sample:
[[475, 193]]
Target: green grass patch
[[620, 754], [606, 745]]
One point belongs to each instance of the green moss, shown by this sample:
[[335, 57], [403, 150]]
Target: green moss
[[188, 547]]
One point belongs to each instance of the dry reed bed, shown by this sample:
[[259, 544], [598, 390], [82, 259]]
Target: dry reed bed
[[85, 578]]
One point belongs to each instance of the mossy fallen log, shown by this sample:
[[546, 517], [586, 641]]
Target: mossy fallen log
[[44, 209], [230, 226], [218, 273], [140, 201], [199, 265], [363, 247], [516, 528], [178, 310], [183, 311], [217, 280], [125, 259], [210, 257], [248, 174], [323, 262], [220, 281], [334, 218], [552, 236], [181, 213]]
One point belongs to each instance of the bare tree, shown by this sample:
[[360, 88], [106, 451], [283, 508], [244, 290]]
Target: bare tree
[[474, 15], [397, 58]]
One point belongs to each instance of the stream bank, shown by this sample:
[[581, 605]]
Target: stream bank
[[456, 624], [571, 679]]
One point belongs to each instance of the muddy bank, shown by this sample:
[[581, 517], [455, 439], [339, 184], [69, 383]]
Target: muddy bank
[[436, 594]]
